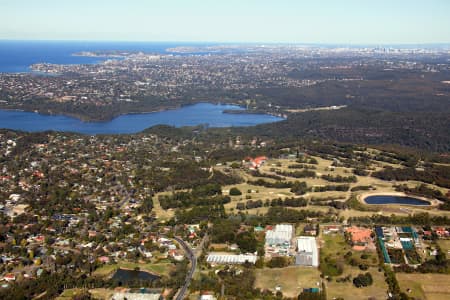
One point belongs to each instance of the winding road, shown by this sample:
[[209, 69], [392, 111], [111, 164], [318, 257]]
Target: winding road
[[193, 258]]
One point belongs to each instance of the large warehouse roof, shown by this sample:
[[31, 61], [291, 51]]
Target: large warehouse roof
[[306, 245], [230, 258]]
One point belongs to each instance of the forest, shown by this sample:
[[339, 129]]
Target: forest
[[435, 174]]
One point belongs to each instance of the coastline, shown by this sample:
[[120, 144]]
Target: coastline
[[433, 203]]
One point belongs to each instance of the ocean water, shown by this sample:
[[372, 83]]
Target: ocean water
[[17, 56]]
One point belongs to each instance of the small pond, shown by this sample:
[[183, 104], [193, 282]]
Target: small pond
[[387, 199], [133, 276]]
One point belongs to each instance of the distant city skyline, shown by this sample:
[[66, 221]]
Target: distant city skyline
[[249, 21]]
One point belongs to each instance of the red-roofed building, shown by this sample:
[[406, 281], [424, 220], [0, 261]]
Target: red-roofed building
[[441, 231], [9, 277], [360, 237], [176, 254], [104, 259], [327, 229], [40, 238], [255, 163]]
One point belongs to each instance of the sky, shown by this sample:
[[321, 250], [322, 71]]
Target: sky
[[265, 21]]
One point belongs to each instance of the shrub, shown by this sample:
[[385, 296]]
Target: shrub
[[363, 267], [235, 192], [363, 280], [278, 262]]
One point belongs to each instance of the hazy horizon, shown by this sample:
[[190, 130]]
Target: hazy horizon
[[348, 22], [199, 42]]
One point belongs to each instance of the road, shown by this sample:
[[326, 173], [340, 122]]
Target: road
[[126, 197], [193, 258]]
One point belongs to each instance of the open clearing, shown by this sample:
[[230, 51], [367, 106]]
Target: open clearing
[[101, 293], [291, 279], [69, 294], [445, 246], [425, 286], [162, 214], [347, 291]]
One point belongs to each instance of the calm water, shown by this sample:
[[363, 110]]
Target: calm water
[[395, 200], [192, 115], [17, 56], [127, 276]]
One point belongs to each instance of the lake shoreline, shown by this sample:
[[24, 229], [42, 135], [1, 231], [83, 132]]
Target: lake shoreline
[[178, 115], [88, 119]]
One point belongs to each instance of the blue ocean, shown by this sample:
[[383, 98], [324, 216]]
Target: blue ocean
[[17, 56]]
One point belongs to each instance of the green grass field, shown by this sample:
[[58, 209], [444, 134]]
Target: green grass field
[[445, 246], [291, 279], [425, 286], [347, 291]]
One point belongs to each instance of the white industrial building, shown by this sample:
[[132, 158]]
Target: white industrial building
[[135, 296], [280, 235], [230, 259], [307, 254]]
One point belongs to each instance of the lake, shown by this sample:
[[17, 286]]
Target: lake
[[129, 276], [385, 199], [191, 115]]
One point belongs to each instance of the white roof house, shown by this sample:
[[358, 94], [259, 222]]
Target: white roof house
[[307, 254]]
